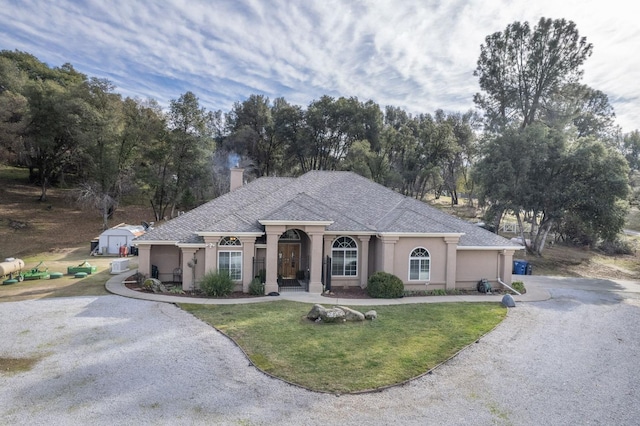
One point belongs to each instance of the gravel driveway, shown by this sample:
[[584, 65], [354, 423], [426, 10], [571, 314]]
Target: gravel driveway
[[111, 360]]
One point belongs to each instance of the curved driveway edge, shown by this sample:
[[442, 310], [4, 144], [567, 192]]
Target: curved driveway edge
[[535, 293]]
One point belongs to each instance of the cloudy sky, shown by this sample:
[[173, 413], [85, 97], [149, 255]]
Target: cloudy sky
[[415, 54]]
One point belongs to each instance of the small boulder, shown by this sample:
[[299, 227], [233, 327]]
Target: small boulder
[[508, 301], [371, 315], [154, 285], [352, 314]]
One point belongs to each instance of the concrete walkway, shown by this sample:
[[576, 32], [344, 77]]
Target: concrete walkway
[[115, 285]]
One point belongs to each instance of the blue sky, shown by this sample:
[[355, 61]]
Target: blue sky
[[415, 54]]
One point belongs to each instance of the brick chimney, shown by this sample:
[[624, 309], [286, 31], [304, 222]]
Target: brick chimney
[[236, 180]]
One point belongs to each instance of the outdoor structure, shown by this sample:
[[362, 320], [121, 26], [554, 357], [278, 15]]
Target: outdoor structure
[[319, 230], [120, 235]]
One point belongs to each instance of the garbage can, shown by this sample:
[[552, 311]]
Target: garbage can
[[520, 267], [529, 269], [154, 272]]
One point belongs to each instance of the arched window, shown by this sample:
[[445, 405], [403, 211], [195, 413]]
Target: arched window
[[344, 254], [230, 241], [290, 235], [419, 265], [230, 261]]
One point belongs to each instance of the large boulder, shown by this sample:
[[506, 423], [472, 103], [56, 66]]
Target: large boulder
[[316, 312], [338, 314], [352, 314], [333, 315]]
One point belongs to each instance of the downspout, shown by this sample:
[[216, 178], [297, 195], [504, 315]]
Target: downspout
[[509, 287]]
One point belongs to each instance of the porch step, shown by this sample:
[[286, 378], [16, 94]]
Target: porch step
[[290, 285]]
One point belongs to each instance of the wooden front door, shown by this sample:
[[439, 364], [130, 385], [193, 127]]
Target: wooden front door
[[288, 259]]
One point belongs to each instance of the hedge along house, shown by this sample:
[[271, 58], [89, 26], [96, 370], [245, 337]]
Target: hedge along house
[[320, 229]]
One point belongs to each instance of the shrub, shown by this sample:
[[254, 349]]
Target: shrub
[[617, 246], [256, 288], [216, 284], [519, 286], [383, 285]]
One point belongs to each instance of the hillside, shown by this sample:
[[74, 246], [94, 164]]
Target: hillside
[[28, 226]]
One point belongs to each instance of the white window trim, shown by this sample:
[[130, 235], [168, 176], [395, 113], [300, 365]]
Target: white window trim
[[411, 257], [344, 250], [241, 261]]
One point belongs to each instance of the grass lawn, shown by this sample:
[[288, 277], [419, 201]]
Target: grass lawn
[[404, 342]]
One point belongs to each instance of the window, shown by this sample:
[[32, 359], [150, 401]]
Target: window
[[291, 235], [419, 265], [344, 255], [230, 241], [231, 262]]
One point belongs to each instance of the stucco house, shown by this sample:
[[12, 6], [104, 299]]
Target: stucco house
[[320, 229]]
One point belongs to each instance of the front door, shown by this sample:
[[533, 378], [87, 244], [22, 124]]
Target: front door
[[288, 260]]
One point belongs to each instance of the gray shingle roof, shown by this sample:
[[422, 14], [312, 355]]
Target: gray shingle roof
[[352, 202]]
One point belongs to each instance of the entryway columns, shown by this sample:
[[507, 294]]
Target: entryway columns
[[388, 252], [506, 266], [188, 254], [316, 257], [144, 259], [364, 259], [452, 245], [248, 251], [210, 254], [271, 262]]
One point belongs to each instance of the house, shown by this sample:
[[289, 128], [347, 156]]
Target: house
[[110, 241], [323, 229]]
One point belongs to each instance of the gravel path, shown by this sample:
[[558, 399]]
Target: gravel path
[[111, 360]]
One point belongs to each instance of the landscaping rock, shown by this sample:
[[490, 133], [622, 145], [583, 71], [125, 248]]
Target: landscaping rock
[[332, 315], [352, 314], [371, 315], [508, 301], [315, 312], [155, 285]]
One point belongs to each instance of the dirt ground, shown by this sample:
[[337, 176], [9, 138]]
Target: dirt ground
[[29, 226], [57, 233]]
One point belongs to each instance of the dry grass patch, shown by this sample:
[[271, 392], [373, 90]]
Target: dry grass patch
[[16, 365]]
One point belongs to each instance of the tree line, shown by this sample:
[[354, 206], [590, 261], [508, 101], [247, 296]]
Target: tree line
[[541, 145]]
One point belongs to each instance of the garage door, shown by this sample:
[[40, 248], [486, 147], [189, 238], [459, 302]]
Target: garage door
[[115, 241]]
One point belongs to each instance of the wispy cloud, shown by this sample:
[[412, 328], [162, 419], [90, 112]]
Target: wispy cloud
[[416, 54]]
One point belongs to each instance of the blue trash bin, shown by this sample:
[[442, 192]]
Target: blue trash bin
[[520, 267]]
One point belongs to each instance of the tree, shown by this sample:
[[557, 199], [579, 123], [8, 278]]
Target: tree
[[46, 131], [55, 130], [456, 165], [180, 157], [252, 133], [13, 107], [539, 173], [520, 69], [103, 155]]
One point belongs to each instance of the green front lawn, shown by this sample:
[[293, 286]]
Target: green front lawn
[[404, 342]]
